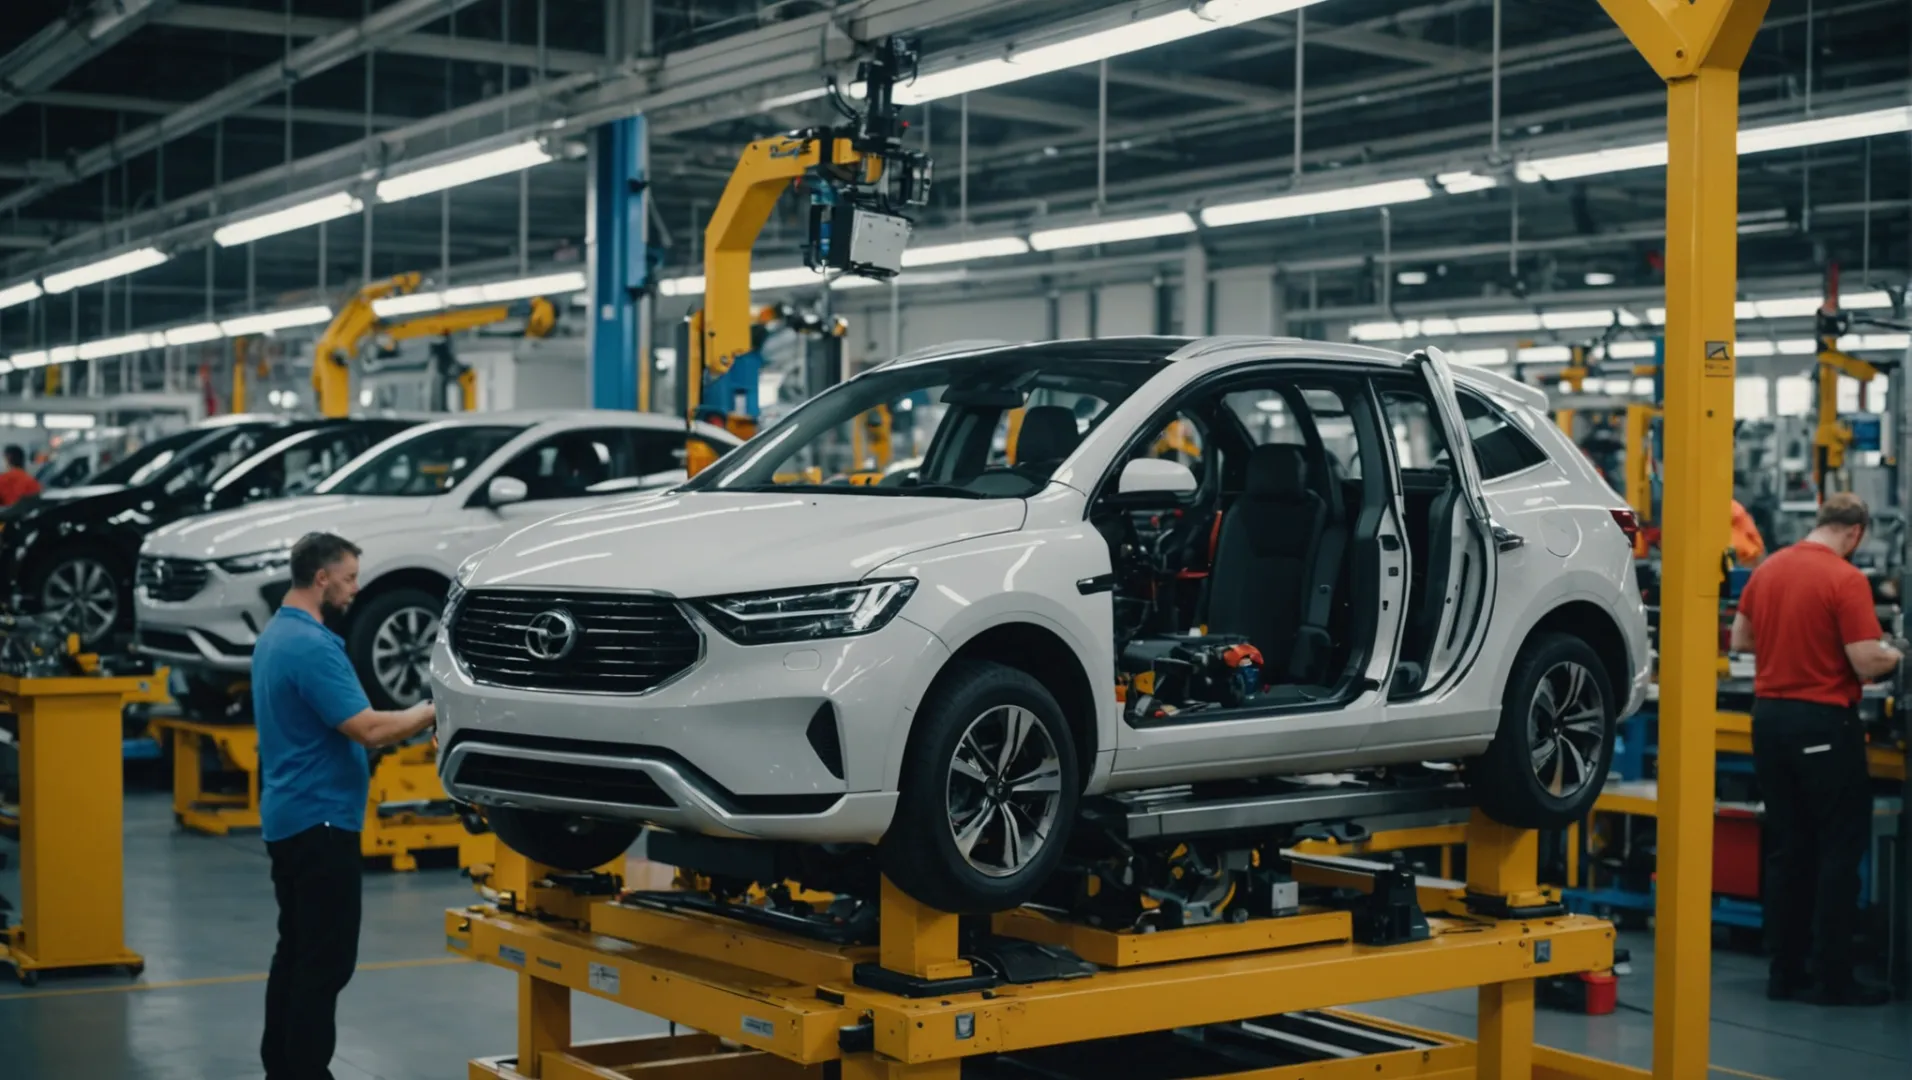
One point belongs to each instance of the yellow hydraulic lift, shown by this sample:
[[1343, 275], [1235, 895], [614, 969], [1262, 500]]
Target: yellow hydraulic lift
[[1697, 47], [339, 346]]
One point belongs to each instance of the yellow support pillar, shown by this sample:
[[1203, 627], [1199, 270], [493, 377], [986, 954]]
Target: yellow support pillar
[[1697, 46]]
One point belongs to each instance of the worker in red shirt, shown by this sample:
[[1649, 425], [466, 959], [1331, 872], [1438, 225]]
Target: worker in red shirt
[[1806, 615], [16, 482]]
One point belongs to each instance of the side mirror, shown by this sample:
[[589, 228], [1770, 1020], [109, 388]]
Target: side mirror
[[505, 490], [1154, 481]]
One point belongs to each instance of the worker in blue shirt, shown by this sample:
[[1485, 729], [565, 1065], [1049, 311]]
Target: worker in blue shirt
[[314, 724]]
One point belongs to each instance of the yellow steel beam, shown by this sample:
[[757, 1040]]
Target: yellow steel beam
[[1697, 46]]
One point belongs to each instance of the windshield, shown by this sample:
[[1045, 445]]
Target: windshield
[[195, 460], [148, 460], [431, 462], [989, 425]]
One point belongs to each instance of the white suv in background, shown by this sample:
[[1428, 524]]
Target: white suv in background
[[418, 504], [1120, 564]]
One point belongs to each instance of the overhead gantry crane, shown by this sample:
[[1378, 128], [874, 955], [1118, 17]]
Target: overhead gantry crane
[[358, 322], [913, 994]]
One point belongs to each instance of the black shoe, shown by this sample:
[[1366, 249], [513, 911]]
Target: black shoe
[[1854, 992], [1786, 987]]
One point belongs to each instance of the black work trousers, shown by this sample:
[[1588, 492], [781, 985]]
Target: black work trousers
[[1810, 760], [315, 875]]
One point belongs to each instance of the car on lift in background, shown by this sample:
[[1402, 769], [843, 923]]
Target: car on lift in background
[[418, 505], [74, 551], [945, 661]]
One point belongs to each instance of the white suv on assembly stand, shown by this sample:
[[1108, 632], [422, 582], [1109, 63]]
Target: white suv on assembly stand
[[418, 504], [1121, 564]]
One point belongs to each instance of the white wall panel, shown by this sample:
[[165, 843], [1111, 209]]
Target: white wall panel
[[1008, 320], [1244, 305], [1125, 309], [1072, 314]]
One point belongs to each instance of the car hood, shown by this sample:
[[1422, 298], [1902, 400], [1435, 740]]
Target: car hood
[[710, 543], [94, 502], [277, 523]]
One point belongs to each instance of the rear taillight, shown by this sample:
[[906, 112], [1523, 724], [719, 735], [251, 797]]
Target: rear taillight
[[1628, 521]]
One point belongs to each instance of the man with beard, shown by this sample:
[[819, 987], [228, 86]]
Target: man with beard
[[314, 724]]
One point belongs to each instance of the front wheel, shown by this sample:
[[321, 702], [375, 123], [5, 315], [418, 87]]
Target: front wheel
[[83, 593], [1549, 758], [562, 841], [988, 792], [390, 643]]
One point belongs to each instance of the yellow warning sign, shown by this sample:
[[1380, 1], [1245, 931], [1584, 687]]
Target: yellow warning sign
[[1719, 360]]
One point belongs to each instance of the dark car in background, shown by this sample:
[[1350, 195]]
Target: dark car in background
[[74, 551]]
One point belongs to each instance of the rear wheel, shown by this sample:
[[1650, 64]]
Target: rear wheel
[[83, 593], [988, 793], [1549, 759], [390, 643], [562, 841]]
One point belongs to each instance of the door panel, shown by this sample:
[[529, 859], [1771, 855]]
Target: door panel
[[1469, 597]]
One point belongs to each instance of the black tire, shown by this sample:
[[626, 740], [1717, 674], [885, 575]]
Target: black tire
[[562, 841], [1507, 779], [397, 612], [920, 852]]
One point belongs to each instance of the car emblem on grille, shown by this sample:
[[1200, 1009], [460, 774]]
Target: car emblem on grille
[[551, 635]]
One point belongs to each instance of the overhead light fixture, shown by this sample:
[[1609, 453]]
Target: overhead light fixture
[[25, 360], [1411, 277], [1112, 232], [1089, 48], [1385, 193], [324, 208], [965, 251], [119, 346], [270, 321], [410, 304], [1479, 357], [1545, 354], [796, 98], [1461, 183], [127, 262], [69, 421], [1792, 307], [452, 174], [1598, 279], [1632, 350], [499, 292], [1576, 320], [1592, 163], [920, 277], [20, 294], [1758, 140], [194, 334], [1511, 323]]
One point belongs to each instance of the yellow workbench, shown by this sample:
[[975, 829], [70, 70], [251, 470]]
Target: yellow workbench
[[72, 904]]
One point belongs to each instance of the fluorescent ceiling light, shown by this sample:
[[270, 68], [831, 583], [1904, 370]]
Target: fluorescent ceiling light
[[128, 262], [69, 421], [1089, 48], [412, 304], [1386, 193], [1593, 163], [1461, 183], [1411, 277], [20, 294], [1545, 354], [119, 346], [467, 170], [22, 361], [1511, 323], [924, 277], [1575, 320], [1381, 331], [499, 292], [1745, 348], [1439, 327], [1792, 307], [194, 334], [269, 321], [1759, 140], [1862, 301], [966, 250], [1632, 350], [1479, 357], [1112, 232], [796, 98], [325, 208], [1798, 347], [1598, 279], [65, 354]]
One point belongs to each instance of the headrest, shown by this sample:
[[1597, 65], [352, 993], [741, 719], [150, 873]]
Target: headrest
[[1048, 434], [1277, 469]]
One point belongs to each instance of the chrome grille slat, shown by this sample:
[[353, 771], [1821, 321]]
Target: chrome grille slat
[[169, 580], [624, 644]]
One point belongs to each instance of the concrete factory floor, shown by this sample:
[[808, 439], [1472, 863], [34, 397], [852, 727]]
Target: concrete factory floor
[[201, 910]]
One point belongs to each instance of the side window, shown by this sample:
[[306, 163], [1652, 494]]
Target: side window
[[1416, 433], [1500, 448], [1268, 417], [568, 465], [657, 457]]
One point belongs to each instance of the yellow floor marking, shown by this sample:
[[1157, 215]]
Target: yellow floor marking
[[1740, 1072], [221, 980]]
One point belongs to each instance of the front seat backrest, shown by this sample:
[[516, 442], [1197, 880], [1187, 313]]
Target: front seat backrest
[[1265, 558], [1048, 435]]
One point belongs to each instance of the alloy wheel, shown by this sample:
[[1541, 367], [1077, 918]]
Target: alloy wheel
[[80, 593], [401, 653], [1004, 789], [1566, 725]]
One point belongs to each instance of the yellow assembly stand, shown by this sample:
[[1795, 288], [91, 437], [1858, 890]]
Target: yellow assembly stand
[[72, 904], [234, 747], [787, 1006]]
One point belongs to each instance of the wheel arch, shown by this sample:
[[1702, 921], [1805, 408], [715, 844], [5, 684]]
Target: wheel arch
[[1043, 655], [1596, 626], [404, 577]]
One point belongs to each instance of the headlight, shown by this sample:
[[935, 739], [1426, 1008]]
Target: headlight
[[827, 611], [257, 562], [456, 592]]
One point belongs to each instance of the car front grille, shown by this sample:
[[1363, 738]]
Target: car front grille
[[602, 643], [528, 776], [171, 580]]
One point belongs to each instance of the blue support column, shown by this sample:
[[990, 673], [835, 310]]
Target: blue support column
[[620, 302]]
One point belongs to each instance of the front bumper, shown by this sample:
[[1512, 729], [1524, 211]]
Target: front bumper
[[730, 748], [215, 630]]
